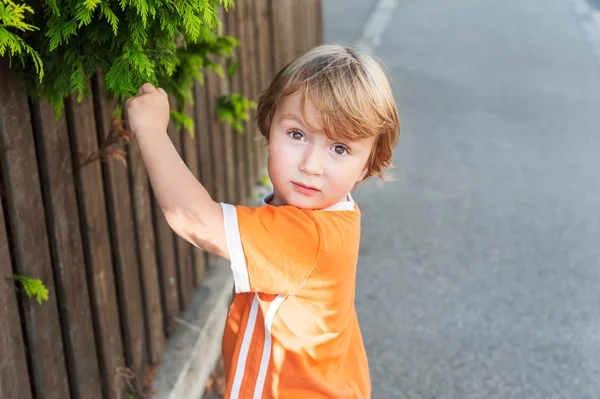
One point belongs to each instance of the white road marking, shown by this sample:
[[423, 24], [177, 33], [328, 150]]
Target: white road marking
[[378, 21], [590, 20]]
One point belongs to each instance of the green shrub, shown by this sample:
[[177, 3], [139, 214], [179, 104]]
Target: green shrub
[[61, 44], [233, 108]]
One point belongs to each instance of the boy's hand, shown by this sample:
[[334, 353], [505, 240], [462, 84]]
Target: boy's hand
[[148, 110]]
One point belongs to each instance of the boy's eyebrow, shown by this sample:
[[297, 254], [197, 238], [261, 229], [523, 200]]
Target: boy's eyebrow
[[300, 121], [293, 118], [303, 124]]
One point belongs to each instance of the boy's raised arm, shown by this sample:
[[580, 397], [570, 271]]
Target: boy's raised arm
[[187, 206]]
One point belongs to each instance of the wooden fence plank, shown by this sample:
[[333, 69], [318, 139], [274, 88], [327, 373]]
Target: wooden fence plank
[[200, 260], [289, 32], [167, 266], [193, 162], [249, 74], [190, 150], [58, 187], [270, 17], [167, 259], [293, 27], [146, 245], [29, 236], [14, 376], [184, 250], [255, 83], [244, 75], [203, 125], [216, 137], [277, 16], [239, 142], [227, 131], [189, 147], [318, 22], [203, 152], [266, 46], [96, 244], [302, 28], [306, 26], [228, 157], [298, 26], [265, 52], [121, 224], [312, 23]]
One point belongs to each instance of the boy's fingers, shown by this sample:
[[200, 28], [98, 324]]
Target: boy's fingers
[[162, 91], [147, 88], [128, 102]]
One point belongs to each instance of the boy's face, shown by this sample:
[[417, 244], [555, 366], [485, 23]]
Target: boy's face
[[308, 169]]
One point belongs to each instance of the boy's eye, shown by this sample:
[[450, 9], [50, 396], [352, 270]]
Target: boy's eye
[[296, 135], [340, 150]]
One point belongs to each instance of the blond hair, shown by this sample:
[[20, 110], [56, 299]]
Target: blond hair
[[349, 89]]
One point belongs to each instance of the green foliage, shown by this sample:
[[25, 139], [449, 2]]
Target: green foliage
[[233, 68], [233, 108], [12, 18], [193, 59], [33, 287], [166, 42], [183, 121], [170, 43]]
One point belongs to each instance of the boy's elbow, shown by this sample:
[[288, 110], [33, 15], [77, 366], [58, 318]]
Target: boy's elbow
[[186, 223], [193, 226]]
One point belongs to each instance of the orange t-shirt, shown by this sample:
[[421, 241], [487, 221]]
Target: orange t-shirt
[[292, 330]]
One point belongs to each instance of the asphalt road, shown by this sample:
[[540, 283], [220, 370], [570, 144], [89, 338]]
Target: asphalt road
[[479, 274]]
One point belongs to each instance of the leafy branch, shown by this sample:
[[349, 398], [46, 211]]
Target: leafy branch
[[13, 16], [233, 108], [32, 287], [170, 43], [129, 42]]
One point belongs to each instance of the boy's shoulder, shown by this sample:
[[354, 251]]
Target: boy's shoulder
[[337, 225], [322, 243]]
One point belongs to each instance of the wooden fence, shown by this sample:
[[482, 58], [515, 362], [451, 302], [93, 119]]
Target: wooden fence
[[115, 272]]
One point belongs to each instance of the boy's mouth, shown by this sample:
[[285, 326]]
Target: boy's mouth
[[304, 189]]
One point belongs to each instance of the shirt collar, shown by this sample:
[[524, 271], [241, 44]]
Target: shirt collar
[[347, 204]]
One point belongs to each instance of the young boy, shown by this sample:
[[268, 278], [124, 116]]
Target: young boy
[[330, 121]]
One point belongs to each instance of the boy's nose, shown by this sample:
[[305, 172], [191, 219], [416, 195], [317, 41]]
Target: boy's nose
[[312, 162]]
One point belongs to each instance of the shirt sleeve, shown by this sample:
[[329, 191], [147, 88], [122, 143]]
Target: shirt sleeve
[[272, 249]]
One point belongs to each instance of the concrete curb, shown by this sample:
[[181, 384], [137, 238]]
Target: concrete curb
[[195, 347]]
